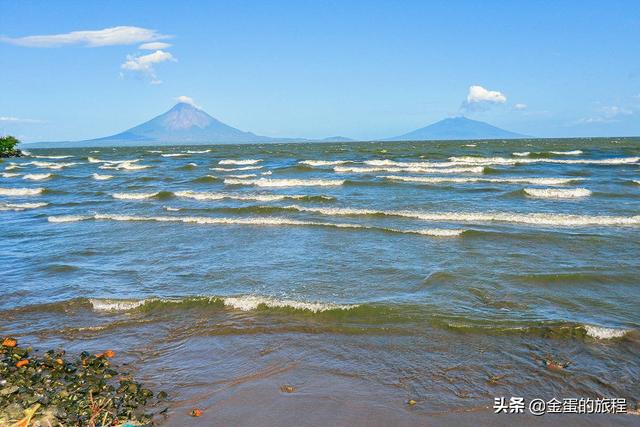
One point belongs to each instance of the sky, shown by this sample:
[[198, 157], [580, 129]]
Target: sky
[[362, 69]]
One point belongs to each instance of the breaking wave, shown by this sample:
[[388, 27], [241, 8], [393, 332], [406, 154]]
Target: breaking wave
[[349, 313], [20, 191], [431, 170], [243, 176], [462, 180], [506, 161], [204, 196], [562, 220], [126, 165], [274, 221], [52, 157], [567, 153], [37, 176], [324, 162], [242, 303], [239, 162], [20, 206], [557, 193], [266, 182], [243, 168], [600, 332], [99, 177], [50, 165]]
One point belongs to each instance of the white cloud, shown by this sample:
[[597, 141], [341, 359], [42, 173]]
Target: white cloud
[[144, 64], [520, 107], [8, 119], [479, 99], [154, 46], [480, 94], [186, 100], [121, 35], [608, 114]]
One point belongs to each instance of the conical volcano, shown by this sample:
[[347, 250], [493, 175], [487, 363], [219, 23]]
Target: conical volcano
[[184, 124]]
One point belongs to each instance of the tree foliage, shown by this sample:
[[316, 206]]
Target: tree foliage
[[8, 144]]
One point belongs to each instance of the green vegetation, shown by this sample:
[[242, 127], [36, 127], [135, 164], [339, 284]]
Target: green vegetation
[[51, 390], [8, 146]]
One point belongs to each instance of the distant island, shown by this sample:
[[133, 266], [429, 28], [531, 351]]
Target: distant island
[[186, 124]]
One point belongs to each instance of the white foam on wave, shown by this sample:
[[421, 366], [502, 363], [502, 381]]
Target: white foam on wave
[[256, 221], [251, 302], [243, 176], [68, 218], [487, 161], [133, 196], [637, 181], [20, 206], [198, 151], [37, 176], [126, 165], [99, 177], [115, 305], [52, 157], [270, 182], [242, 303], [567, 153], [175, 155], [463, 180], [12, 166], [395, 169], [470, 145], [561, 220], [323, 162], [111, 162], [155, 151], [9, 175], [239, 162], [50, 165], [604, 333], [557, 193], [243, 197], [20, 191], [243, 168], [266, 173], [521, 153]]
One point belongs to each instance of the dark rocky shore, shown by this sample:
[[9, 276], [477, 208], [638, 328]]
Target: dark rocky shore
[[9, 154], [51, 389]]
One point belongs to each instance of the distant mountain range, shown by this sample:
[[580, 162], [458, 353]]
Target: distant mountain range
[[186, 124]]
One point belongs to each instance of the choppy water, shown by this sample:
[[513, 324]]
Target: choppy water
[[421, 269]]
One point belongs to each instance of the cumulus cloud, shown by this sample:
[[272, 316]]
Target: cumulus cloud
[[520, 107], [112, 36], [186, 100], [480, 94], [480, 99], [144, 64], [154, 46]]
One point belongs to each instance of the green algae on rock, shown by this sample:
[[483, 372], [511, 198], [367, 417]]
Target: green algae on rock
[[51, 389]]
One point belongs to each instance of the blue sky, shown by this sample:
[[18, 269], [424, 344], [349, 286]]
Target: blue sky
[[366, 69]]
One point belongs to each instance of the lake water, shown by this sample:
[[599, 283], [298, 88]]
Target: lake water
[[363, 274]]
